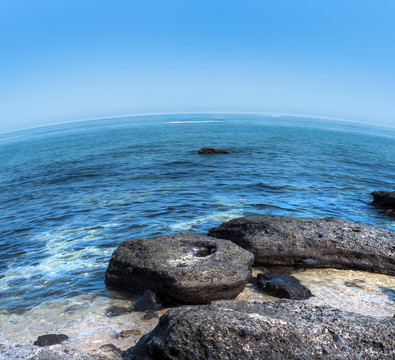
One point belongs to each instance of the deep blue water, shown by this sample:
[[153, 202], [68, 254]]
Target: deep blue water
[[71, 193]]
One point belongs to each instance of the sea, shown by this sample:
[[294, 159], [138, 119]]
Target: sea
[[71, 193]]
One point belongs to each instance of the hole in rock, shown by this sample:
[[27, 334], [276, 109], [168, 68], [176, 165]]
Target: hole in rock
[[205, 251]]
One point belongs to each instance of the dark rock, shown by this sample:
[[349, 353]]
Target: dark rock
[[139, 351], [149, 301], [50, 339], [283, 329], [330, 242], [357, 283], [283, 286], [384, 200], [108, 352], [127, 333], [149, 315], [209, 150], [114, 311], [183, 267]]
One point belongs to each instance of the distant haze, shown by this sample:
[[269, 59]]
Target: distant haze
[[71, 60]]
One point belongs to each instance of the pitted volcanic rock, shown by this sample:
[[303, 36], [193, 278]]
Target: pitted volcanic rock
[[284, 329], [182, 267], [304, 242]]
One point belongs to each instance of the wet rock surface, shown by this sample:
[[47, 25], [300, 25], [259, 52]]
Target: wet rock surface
[[282, 329], [384, 200], [186, 268], [50, 339], [149, 315], [283, 286], [305, 242], [210, 150], [107, 352]]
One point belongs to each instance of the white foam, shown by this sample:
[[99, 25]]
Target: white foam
[[193, 121], [217, 216], [12, 137], [63, 253]]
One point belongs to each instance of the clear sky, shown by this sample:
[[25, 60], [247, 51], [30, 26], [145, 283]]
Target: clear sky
[[66, 60]]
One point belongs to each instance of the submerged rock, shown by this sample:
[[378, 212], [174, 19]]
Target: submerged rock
[[384, 200], [128, 333], [182, 267], [209, 150], [114, 311], [50, 339], [283, 286], [284, 329], [149, 301], [329, 242]]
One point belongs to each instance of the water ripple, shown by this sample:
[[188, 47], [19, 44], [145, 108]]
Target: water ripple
[[71, 193]]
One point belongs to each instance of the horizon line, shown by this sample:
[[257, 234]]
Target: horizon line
[[273, 114]]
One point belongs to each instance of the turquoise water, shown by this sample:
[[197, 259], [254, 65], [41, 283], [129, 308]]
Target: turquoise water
[[71, 193]]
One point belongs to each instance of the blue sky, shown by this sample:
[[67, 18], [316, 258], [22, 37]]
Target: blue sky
[[70, 60]]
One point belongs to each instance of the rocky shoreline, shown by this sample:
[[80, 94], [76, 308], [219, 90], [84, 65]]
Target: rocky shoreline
[[202, 270], [283, 329], [343, 289]]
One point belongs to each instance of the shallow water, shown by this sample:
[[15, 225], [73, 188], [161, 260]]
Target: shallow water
[[103, 318], [71, 193], [356, 291], [86, 330]]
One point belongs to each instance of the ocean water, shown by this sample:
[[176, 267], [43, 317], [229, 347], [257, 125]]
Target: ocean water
[[71, 193]]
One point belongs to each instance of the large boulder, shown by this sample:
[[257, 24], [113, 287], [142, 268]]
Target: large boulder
[[329, 242], [182, 267], [274, 330], [384, 199]]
